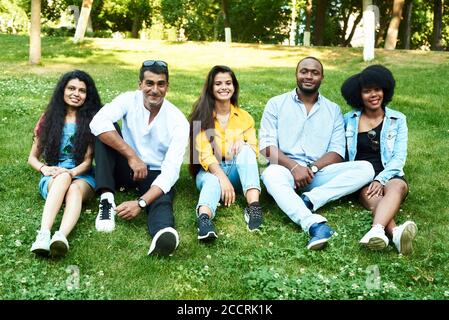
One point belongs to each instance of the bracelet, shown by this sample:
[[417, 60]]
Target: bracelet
[[42, 167], [291, 170]]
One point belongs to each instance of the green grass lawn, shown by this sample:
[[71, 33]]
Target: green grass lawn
[[274, 264]]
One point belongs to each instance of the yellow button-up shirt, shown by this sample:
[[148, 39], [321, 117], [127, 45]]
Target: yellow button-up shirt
[[240, 128]]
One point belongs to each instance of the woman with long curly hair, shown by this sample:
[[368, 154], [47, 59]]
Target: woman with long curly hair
[[378, 134], [223, 152], [62, 152]]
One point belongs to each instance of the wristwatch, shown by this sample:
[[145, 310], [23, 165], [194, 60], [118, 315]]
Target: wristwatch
[[313, 167], [142, 203]]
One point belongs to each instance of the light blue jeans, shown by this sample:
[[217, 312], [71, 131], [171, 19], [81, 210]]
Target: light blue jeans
[[330, 183], [242, 171]]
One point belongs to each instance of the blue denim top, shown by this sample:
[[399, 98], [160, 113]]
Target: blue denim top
[[393, 142]]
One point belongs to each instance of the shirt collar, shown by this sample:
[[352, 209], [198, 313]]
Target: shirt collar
[[233, 111], [296, 97]]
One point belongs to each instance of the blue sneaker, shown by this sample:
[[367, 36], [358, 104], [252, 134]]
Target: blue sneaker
[[320, 233]]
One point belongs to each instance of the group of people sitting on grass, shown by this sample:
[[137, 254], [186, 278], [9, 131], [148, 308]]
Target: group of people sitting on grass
[[315, 154]]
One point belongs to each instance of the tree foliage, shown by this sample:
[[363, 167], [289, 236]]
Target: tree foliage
[[13, 19], [264, 21]]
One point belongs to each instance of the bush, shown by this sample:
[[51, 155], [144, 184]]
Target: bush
[[58, 32]]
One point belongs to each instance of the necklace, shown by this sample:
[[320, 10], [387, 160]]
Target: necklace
[[223, 120]]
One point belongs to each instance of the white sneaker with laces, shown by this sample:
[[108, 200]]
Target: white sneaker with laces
[[164, 242], [403, 236], [105, 221], [375, 239], [42, 244], [58, 245]]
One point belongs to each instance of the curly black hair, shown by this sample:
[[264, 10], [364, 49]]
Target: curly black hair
[[52, 123], [372, 76]]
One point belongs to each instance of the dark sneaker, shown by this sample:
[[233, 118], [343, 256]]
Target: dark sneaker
[[206, 229], [320, 234], [164, 242], [253, 217], [105, 221]]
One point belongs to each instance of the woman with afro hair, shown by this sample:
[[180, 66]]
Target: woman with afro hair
[[378, 134]]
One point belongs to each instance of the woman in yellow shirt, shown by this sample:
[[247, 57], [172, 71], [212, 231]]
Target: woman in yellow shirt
[[223, 152]]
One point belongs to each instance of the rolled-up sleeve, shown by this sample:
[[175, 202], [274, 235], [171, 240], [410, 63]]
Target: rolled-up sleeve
[[249, 135], [268, 127], [338, 141], [110, 113], [174, 157], [396, 164], [206, 155]]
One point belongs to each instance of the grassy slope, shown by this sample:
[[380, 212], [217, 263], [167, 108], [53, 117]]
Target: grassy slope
[[273, 264]]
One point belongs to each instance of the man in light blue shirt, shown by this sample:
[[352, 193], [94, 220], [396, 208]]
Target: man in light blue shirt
[[148, 156], [302, 136]]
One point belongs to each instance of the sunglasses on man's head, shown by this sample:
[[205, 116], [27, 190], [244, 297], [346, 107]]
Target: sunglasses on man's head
[[374, 143], [160, 63]]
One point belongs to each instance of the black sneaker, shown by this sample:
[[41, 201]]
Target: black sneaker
[[206, 229], [164, 242], [253, 217]]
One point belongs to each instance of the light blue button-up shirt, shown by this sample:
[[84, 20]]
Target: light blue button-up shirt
[[160, 144], [302, 137]]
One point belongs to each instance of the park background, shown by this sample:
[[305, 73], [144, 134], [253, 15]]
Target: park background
[[275, 263]]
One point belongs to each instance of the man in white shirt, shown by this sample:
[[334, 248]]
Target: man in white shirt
[[147, 156]]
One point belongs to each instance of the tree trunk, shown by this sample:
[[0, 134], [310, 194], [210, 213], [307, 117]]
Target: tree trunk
[[308, 23], [35, 32], [437, 25], [393, 29], [137, 25], [292, 39], [319, 22], [82, 21], [408, 24], [369, 30], [227, 24], [347, 42]]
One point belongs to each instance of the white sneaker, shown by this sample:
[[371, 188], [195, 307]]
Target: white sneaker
[[105, 221], [164, 242], [42, 244], [375, 239], [403, 236], [58, 245]]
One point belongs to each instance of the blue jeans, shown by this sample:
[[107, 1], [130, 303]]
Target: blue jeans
[[242, 171], [330, 183]]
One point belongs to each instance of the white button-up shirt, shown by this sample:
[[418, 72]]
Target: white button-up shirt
[[160, 144]]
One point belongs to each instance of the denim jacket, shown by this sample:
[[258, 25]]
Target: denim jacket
[[393, 142]]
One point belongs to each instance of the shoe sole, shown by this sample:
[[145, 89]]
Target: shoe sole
[[210, 236], [58, 249], [376, 244], [165, 244], [317, 245], [407, 237], [253, 230], [41, 252], [103, 229]]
